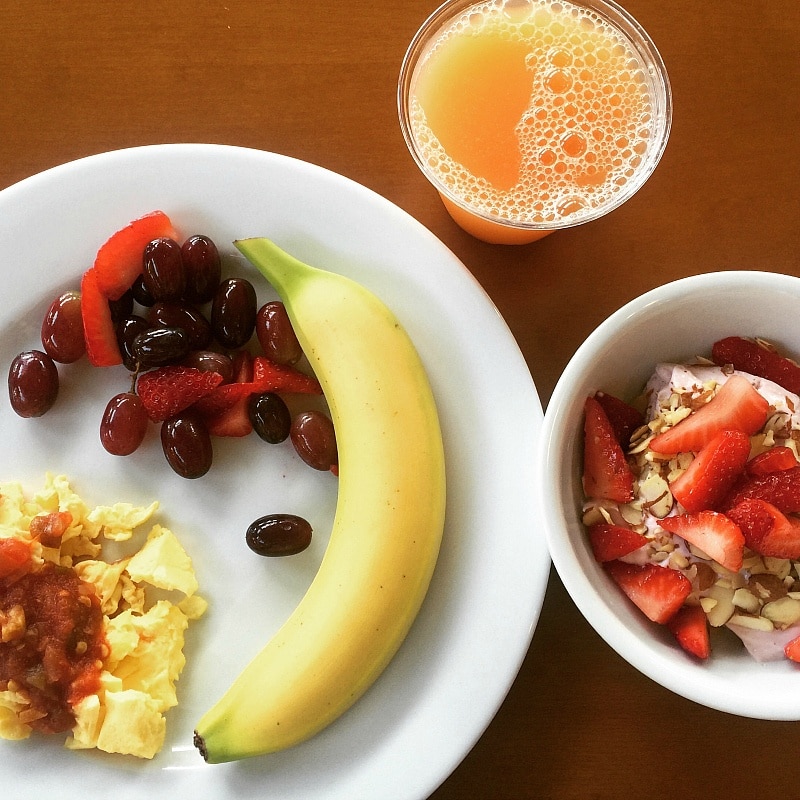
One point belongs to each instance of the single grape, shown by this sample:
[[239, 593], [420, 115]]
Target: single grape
[[314, 439], [278, 535], [202, 266], [172, 314], [32, 383], [276, 334], [127, 330], [123, 307], [187, 445], [233, 312], [158, 346], [124, 424], [62, 329], [270, 417], [141, 294], [163, 274], [211, 361]]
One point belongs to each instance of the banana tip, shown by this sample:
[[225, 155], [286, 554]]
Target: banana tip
[[200, 744]]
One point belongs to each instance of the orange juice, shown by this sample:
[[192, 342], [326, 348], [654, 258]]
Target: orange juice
[[531, 115]]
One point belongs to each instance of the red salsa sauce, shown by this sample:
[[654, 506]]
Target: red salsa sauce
[[52, 645]]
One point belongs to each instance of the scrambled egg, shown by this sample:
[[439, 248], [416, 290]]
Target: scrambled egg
[[145, 639]]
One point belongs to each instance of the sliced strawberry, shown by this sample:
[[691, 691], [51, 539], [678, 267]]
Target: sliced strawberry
[[606, 473], [657, 591], [690, 627], [167, 391], [267, 376], [234, 421], [710, 476], [102, 349], [748, 355], [715, 534], [225, 412], [792, 649], [736, 406], [780, 488], [767, 530], [772, 460], [624, 418], [283, 379], [610, 542], [15, 558], [119, 261]]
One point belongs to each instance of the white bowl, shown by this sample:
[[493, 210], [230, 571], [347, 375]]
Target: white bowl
[[674, 322]]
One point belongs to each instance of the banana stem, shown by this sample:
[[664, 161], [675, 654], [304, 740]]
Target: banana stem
[[280, 268]]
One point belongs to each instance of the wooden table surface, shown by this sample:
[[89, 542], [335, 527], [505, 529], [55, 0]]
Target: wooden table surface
[[316, 80]]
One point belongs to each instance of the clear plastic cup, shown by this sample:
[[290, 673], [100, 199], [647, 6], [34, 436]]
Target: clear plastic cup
[[529, 116]]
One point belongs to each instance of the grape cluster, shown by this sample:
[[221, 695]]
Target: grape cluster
[[179, 311]]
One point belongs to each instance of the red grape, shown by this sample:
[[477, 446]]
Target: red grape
[[202, 267], [314, 439], [187, 445], [233, 312], [32, 383], [124, 424], [62, 329], [163, 275], [276, 335]]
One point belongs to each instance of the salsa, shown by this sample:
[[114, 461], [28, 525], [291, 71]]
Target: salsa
[[52, 643]]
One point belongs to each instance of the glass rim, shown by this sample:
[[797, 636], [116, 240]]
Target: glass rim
[[638, 38]]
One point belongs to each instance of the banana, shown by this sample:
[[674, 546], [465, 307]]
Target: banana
[[386, 531]]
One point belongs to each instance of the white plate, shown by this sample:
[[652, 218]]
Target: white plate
[[442, 689]]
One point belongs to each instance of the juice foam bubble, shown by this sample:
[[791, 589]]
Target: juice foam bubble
[[588, 125]]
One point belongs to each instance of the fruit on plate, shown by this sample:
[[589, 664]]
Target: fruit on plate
[[386, 532]]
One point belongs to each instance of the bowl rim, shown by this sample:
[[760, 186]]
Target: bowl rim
[[662, 662]]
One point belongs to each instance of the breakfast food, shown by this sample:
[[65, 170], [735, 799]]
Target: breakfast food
[[84, 650], [693, 495], [387, 529]]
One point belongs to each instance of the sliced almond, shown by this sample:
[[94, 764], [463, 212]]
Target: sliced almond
[[723, 609], [783, 612], [746, 600], [752, 621], [778, 566]]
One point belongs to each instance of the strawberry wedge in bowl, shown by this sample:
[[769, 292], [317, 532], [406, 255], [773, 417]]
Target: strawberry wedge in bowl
[[670, 483]]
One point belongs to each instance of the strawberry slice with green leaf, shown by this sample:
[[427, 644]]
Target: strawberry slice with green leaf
[[749, 355], [606, 473], [168, 390], [657, 591], [736, 406], [102, 348], [690, 628], [715, 534], [766, 529], [610, 542], [712, 473], [119, 261]]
